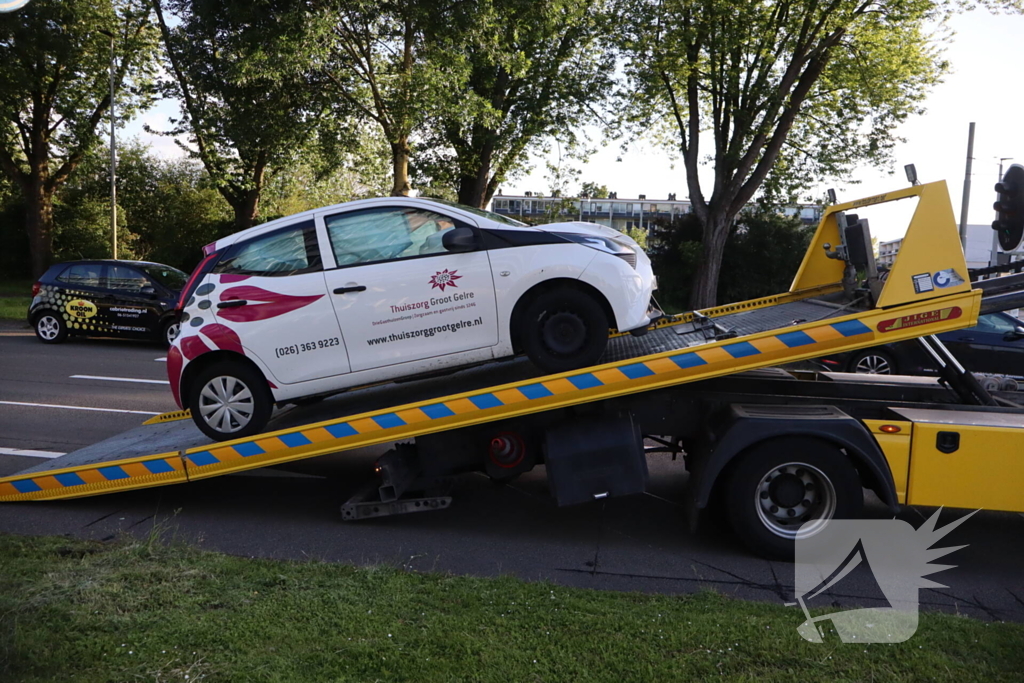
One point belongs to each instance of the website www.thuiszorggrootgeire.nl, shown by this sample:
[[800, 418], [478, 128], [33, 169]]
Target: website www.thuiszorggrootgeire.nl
[[426, 331]]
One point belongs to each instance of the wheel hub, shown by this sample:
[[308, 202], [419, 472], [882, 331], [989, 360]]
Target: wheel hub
[[48, 327], [226, 404], [873, 365], [564, 333], [793, 494]]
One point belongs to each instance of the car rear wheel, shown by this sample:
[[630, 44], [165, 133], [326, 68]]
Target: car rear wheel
[[564, 329], [50, 328], [230, 401], [787, 489], [873, 362], [169, 332]]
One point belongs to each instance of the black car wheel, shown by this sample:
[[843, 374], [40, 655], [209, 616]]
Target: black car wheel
[[169, 332], [873, 362], [230, 401], [50, 328], [786, 489], [564, 329]]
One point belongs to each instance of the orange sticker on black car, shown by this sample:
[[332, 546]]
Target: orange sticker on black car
[[926, 318]]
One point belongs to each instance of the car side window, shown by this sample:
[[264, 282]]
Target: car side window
[[288, 251], [125, 279], [996, 324], [386, 234], [82, 275]]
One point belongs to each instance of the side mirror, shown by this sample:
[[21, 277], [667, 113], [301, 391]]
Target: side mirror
[[148, 291], [459, 239], [1018, 333]]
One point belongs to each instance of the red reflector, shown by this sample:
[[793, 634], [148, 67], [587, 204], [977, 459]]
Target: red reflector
[[890, 429], [35, 289], [826, 361]]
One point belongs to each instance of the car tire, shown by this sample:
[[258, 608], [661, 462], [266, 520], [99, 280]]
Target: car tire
[[169, 332], [779, 485], [214, 411], [564, 329], [873, 362], [50, 328]]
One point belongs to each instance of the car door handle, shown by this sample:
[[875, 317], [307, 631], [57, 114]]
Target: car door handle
[[234, 303], [354, 288]]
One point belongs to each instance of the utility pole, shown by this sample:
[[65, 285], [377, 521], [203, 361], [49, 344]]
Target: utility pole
[[113, 154], [967, 189], [994, 258]]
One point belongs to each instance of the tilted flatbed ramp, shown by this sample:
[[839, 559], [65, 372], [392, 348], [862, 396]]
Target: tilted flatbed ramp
[[744, 336]]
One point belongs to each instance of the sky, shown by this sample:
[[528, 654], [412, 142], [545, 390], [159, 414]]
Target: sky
[[984, 86]]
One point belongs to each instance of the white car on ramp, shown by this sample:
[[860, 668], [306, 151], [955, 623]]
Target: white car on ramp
[[379, 289]]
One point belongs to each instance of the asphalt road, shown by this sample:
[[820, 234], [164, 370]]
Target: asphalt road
[[638, 543]]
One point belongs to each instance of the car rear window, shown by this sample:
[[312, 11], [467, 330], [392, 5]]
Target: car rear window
[[289, 251], [82, 275]]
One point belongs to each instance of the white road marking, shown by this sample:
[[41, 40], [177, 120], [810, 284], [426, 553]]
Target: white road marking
[[161, 360], [99, 410], [30, 454], [122, 379]]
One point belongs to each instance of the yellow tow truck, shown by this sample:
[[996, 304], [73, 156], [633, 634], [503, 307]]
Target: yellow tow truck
[[780, 448]]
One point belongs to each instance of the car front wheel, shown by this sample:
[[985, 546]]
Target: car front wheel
[[170, 331], [230, 401], [564, 329], [50, 328], [873, 362]]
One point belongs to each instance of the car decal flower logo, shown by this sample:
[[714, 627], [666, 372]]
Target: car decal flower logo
[[444, 278]]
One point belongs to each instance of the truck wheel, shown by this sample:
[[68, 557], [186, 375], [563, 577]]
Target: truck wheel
[[230, 401], [779, 486], [50, 329], [564, 329], [873, 362]]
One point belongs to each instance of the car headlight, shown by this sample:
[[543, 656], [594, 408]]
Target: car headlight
[[604, 244]]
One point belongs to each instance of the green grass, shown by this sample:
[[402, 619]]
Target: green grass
[[140, 610], [14, 307]]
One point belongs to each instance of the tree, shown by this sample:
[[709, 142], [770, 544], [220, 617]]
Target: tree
[[383, 71], [594, 191], [763, 251], [55, 91], [786, 91], [241, 72], [535, 69]]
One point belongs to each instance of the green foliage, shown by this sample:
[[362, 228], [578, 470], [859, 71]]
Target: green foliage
[[594, 191], [788, 93], [535, 71], [241, 72], [762, 254], [55, 91]]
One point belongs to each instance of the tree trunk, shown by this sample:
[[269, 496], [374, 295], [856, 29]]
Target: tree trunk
[[705, 281], [400, 164], [245, 210], [39, 226]]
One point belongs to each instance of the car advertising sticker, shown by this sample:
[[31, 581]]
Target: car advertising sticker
[[80, 308], [926, 318]]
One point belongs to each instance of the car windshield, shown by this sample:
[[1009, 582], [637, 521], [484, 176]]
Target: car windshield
[[171, 278], [497, 218]]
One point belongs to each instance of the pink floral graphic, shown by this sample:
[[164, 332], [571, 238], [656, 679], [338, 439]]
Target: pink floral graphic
[[444, 278]]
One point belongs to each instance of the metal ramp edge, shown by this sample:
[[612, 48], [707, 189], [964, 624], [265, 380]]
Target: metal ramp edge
[[783, 345]]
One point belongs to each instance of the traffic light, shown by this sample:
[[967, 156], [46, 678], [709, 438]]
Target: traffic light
[[1009, 222]]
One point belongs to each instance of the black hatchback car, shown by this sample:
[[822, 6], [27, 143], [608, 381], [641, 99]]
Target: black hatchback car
[[132, 299]]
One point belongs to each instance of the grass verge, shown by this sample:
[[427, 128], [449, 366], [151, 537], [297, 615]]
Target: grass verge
[[140, 610], [16, 288], [14, 307]]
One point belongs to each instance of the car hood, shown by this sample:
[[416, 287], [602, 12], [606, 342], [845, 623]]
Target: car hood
[[580, 228]]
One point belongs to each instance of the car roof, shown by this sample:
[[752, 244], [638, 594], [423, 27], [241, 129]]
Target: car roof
[[110, 260], [421, 202]]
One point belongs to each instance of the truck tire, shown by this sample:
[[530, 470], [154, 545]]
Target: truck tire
[[564, 329], [230, 401], [779, 485]]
